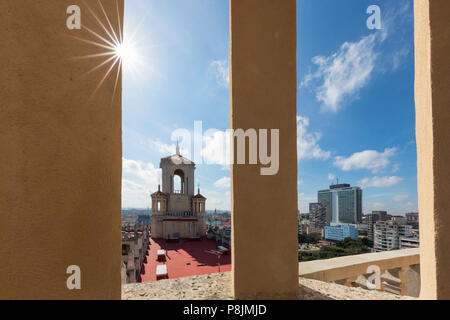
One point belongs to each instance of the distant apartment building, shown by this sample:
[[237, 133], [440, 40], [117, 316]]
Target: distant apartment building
[[412, 219], [318, 215], [399, 219], [372, 218], [387, 235], [362, 228], [341, 232], [306, 228], [409, 243], [303, 217], [343, 204]]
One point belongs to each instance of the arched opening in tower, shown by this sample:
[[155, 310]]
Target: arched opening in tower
[[178, 182]]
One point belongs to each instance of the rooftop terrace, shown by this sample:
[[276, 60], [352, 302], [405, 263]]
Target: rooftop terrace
[[341, 278]]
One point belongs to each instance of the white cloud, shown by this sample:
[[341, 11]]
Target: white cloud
[[337, 78], [374, 206], [369, 159], [304, 201], [218, 200], [307, 143], [140, 180], [216, 148], [380, 182], [341, 75], [144, 171], [392, 207], [223, 183], [168, 149], [400, 198], [331, 176], [221, 71]]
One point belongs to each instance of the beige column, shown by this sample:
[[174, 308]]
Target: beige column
[[60, 168], [432, 47], [263, 96]]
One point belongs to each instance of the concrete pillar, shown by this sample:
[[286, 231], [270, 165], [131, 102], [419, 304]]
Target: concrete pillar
[[432, 47], [60, 167], [263, 96]]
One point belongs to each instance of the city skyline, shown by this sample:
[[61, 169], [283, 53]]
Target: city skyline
[[361, 133]]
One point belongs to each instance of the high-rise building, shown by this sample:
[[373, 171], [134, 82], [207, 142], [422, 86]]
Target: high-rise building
[[387, 235], [343, 204], [318, 215], [341, 232], [409, 243], [372, 218], [413, 219]]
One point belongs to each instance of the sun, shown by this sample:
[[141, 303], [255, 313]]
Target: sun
[[127, 52], [122, 51], [119, 49]]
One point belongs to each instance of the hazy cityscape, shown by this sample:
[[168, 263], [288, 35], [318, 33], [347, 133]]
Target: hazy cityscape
[[335, 226]]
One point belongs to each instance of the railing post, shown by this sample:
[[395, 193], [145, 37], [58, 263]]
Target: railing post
[[404, 281]]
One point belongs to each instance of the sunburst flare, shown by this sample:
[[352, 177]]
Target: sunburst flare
[[119, 50]]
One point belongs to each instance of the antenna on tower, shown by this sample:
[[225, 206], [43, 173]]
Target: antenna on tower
[[178, 147]]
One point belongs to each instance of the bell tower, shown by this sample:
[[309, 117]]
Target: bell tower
[[177, 174], [176, 210]]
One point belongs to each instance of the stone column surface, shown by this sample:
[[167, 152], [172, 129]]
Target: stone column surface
[[60, 146], [263, 96], [432, 48]]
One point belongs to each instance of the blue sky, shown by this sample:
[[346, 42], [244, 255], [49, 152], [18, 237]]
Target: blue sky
[[355, 97]]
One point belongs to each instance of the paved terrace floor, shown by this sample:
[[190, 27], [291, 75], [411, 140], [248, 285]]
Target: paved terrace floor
[[184, 259], [218, 287]]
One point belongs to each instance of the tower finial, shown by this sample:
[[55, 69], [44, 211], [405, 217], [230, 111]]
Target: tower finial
[[178, 148]]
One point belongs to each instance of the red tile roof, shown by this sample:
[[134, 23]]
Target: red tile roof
[[159, 194], [199, 196], [184, 259]]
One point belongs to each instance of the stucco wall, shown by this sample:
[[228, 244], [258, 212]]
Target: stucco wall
[[60, 168], [432, 47], [263, 96], [179, 203]]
